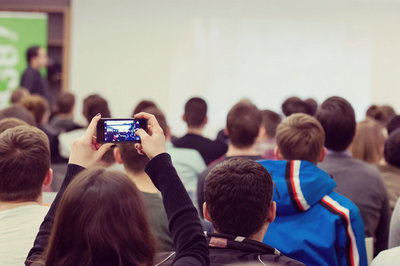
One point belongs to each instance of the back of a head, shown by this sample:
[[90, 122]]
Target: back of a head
[[337, 117], [393, 124], [368, 141], [94, 104], [101, 213], [392, 148], [132, 160], [18, 95], [195, 112], [20, 112], [144, 104], [270, 122], [11, 122], [293, 105], [243, 124], [300, 137], [24, 162], [238, 193], [37, 105], [32, 52], [65, 103], [159, 115], [382, 113]]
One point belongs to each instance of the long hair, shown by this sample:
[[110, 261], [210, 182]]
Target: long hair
[[101, 220]]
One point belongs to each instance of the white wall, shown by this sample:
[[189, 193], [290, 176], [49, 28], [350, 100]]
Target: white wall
[[225, 50]]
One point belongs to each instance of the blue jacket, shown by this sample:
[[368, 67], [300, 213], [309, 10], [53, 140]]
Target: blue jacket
[[313, 224]]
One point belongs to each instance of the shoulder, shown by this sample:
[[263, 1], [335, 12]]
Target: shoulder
[[387, 257]]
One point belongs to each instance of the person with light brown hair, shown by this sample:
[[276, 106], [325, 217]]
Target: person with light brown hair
[[24, 170], [64, 113], [369, 141], [11, 122], [305, 201]]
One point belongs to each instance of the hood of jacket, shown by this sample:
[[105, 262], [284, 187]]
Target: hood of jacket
[[298, 185]]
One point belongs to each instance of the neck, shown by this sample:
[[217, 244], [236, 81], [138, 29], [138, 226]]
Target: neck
[[195, 130], [34, 66], [65, 116], [142, 182], [259, 236], [235, 151], [7, 205]]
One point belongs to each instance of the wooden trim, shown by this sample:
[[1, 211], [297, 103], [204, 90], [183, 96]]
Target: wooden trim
[[65, 51], [33, 8]]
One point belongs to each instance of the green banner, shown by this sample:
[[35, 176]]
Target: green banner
[[18, 31]]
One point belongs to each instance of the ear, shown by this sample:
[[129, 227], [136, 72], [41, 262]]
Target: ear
[[184, 117], [323, 154], [117, 155], [278, 154], [261, 134], [226, 131], [205, 212], [48, 177], [205, 121], [272, 212]]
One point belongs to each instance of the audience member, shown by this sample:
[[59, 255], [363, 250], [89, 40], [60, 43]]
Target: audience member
[[312, 104], [394, 233], [134, 166], [390, 169], [243, 125], [20, 112], [355, 179], [369, 141], [383, 113], [387, 257], [393, 124], [142, 105], [313, 224], [266, 144], [195, 117], [187, 162], [86, 219], [24, 169], [64, 109], [11, 122], [18, 94], [294, 105], [31, 79]]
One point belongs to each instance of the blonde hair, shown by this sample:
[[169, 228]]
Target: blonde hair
[[369, 141], [300, 137]]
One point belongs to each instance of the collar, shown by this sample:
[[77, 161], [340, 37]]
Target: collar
[[345, 153]]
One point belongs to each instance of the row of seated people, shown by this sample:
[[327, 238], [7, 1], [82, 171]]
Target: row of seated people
[[298, 203]]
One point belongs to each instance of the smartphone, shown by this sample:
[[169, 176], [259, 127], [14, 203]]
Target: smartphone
[[116, 130]]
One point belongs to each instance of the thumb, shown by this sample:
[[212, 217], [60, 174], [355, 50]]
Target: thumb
[[141, 133]]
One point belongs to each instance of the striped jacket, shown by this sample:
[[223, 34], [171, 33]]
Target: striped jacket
[[313, 224]]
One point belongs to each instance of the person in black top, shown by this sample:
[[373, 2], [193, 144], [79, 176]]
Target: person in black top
[[31, 79], [196, 118]]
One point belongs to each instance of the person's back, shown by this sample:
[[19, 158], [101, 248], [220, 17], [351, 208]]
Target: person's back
[[24, 168], [314, 224], [355, 179]]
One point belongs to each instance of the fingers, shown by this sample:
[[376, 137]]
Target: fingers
[[91, 130], [102, 149], [141, 133], [151, 119]]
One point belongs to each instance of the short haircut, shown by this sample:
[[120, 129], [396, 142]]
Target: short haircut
[[94, 104], [393, 124], [20, 112], [337, 117], [11, 122], [37, 105], [144, 104], [195, 111], [313, 105], [293, 105], [31, 53], [162, 121], [382, 113], [65, 102], [243, 124], [18, 95], [392, 148], [270, 122], [132, 160], [300, 137], [369, 141], [238, 193], [24, 162]]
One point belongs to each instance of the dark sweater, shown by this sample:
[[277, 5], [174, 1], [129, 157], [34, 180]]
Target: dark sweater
[[35, 83], [189, 240]]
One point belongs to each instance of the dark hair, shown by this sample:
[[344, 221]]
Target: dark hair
[[94, 104], [382, 113], [65, 102], [294, 105], [162, 121], [243, 124], [312, 104], [393, 124], [20, 112], [392, 148], [18, 94], [24, 162], [195, 112], [132, 160], [337, 117], [238, 193], [270, 122], [144, 104], [37, 105], [101, 220], [31, 53], [11, 122]]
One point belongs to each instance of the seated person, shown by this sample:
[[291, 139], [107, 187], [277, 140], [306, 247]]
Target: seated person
[[266, 144], [313, 224], [20, 112], [18, 94], [98, 217], [64, 109], [24, 170], [195, 117]]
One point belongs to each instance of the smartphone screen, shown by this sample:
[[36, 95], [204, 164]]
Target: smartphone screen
[[119, 130]]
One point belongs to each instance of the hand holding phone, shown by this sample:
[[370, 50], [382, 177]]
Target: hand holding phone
[[117, 130]]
